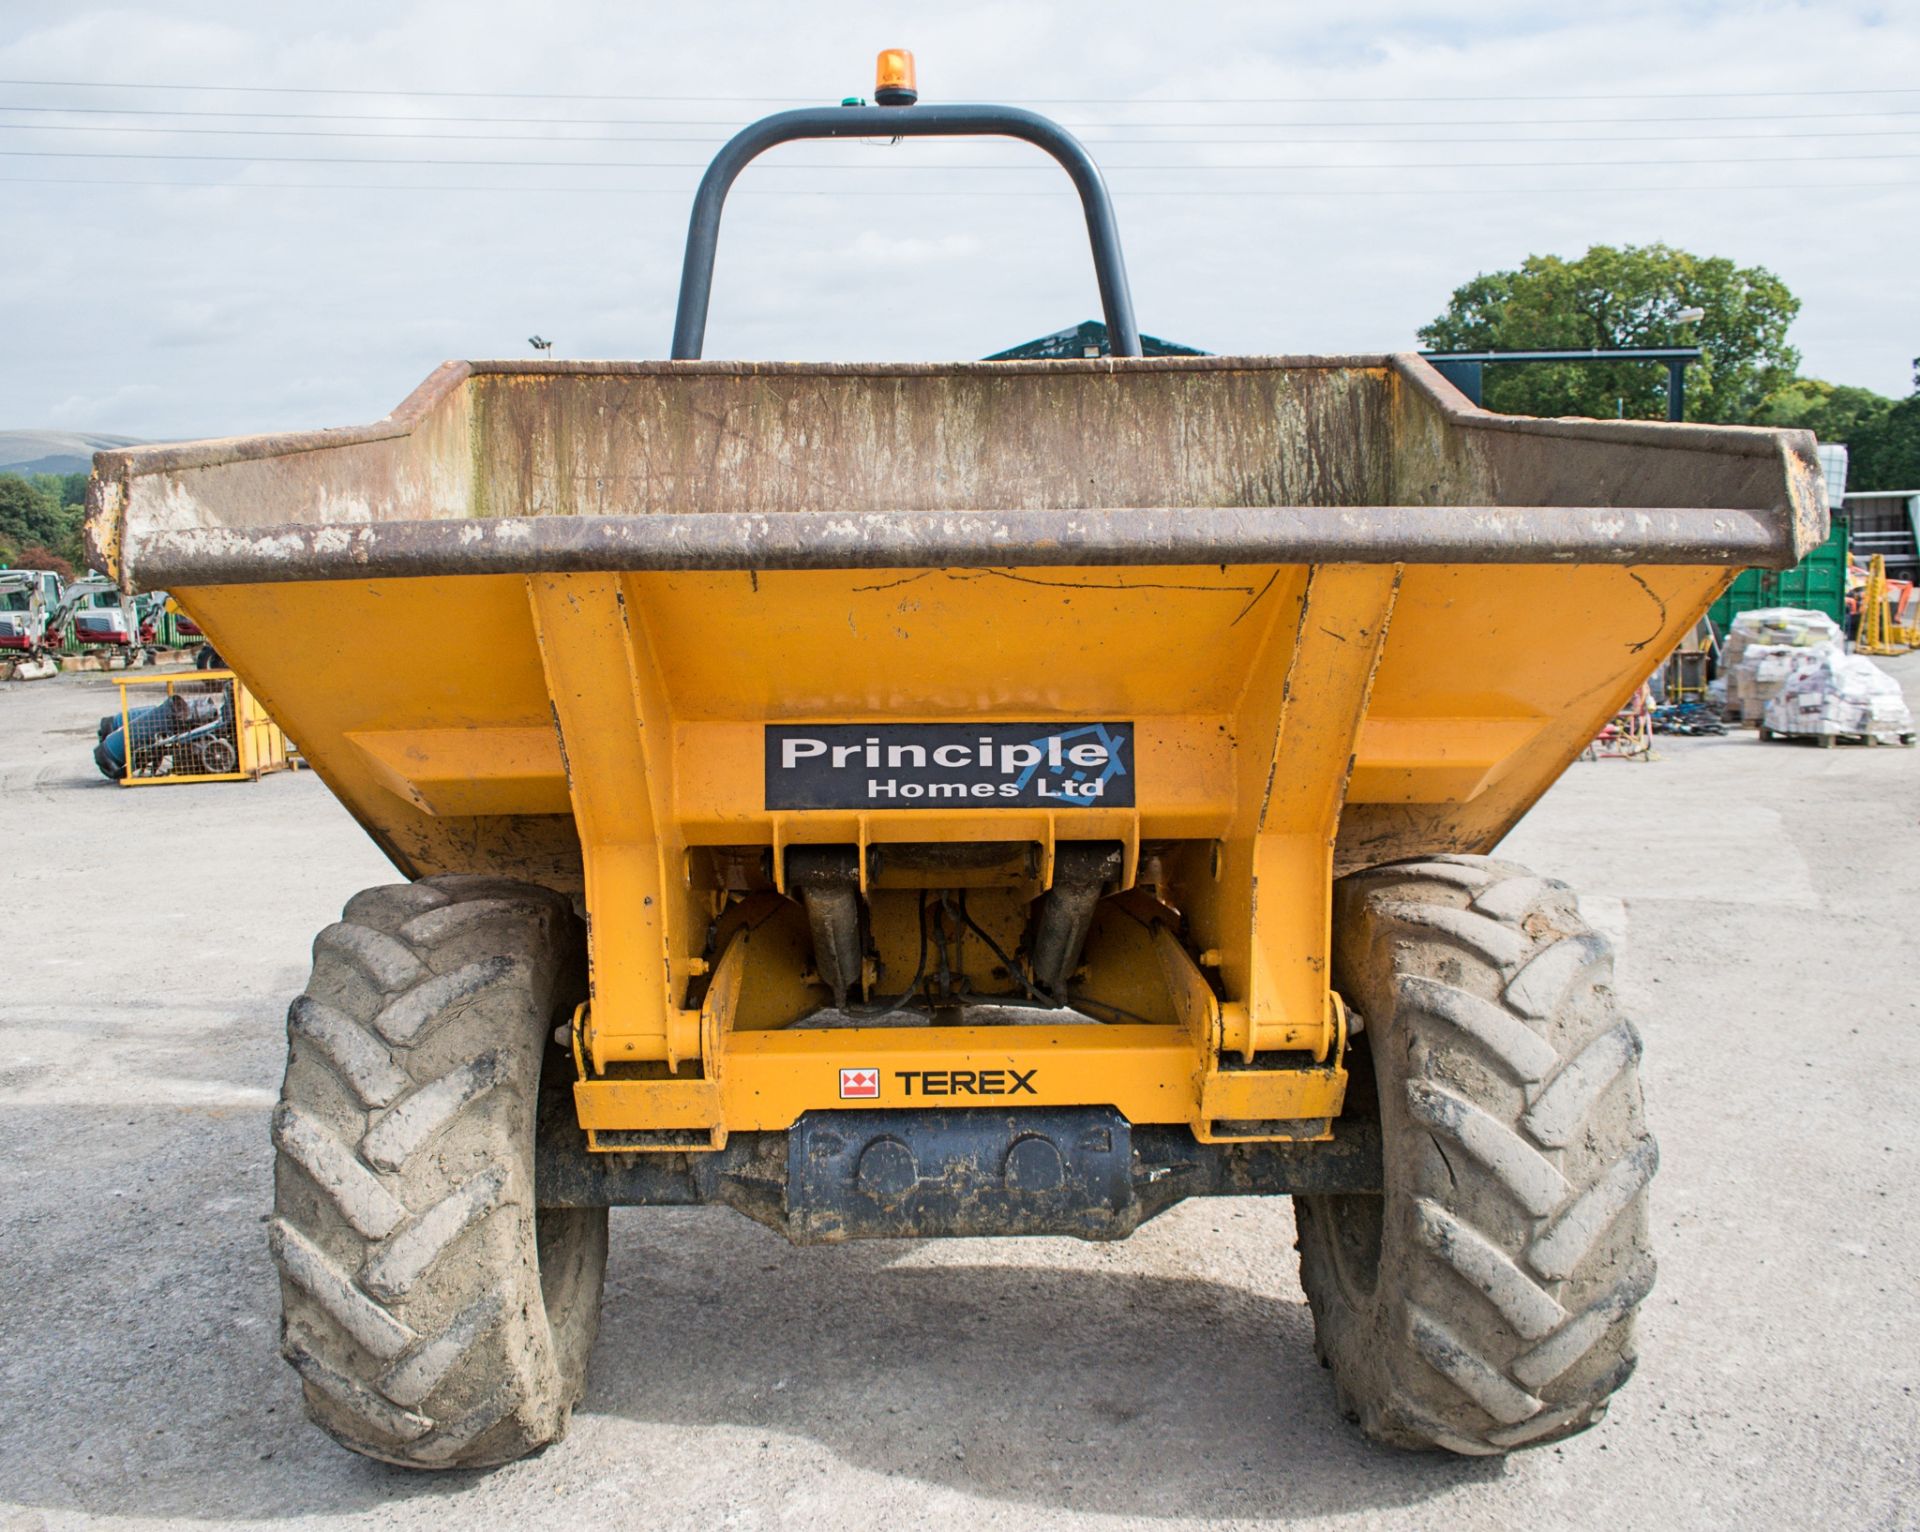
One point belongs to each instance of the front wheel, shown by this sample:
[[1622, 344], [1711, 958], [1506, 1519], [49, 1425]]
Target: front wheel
[[1486, 1300], [435, 1316]]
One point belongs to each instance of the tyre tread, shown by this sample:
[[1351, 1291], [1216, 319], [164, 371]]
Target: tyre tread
[[402, 1356], [1512, 1094]]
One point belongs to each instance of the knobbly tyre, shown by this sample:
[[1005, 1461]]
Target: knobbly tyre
[[959, 799]]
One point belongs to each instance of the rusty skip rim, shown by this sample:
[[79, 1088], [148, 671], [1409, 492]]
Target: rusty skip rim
[[976, 539], [1413, 369], [959, 540]]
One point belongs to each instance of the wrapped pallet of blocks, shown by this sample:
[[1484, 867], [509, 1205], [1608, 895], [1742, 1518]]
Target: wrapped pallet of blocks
[[1760, 675], [1829, 696], [1760, 652]]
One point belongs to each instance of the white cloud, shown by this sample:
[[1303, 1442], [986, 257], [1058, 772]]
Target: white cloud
[[129, 400]]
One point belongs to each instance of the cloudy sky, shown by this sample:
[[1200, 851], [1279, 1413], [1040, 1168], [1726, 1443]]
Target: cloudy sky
[[227, 217]]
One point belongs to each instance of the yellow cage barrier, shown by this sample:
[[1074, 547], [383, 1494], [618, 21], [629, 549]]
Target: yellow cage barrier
[[204, 726]]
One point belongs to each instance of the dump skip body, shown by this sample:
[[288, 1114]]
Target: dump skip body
[[559, 622]]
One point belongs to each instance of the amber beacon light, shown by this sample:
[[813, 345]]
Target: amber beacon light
[[893, 78]]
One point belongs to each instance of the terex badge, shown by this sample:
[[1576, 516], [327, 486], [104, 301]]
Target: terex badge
[[950, 766]]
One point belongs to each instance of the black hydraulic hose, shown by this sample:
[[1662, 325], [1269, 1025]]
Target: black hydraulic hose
[[940, 945], [905, 997], [1012, 968], [939, 121]]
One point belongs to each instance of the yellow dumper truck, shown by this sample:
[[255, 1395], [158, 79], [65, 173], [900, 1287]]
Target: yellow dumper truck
[[954, 799]]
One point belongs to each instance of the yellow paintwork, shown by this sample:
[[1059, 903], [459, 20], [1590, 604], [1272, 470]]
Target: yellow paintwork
[[645, 917], [1149, 1074], [603, 733], [766, 1077]]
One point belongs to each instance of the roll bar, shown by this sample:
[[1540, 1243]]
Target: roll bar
[[956, 121]]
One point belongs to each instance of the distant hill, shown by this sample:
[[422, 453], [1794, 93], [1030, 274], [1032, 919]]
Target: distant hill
[[55, 451]]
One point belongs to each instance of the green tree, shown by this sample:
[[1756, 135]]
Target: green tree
[[27, 513], [1834, 412], [1884, 453], [64, 488], [1618, 297], [30, 516]]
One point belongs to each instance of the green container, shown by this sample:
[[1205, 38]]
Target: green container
[[1817, 583]]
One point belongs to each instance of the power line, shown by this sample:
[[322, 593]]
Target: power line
[[1060, 192], [1170, 143], [701, 164], [1764, 93], [734, 122]]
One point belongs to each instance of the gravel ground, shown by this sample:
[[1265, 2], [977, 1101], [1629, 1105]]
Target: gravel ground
[[153, 937]]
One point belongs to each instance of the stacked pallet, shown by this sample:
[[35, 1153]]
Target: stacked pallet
[[1760, 652], [1833, 697]]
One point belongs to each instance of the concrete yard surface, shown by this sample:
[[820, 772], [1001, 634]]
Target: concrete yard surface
[[1766, 898]]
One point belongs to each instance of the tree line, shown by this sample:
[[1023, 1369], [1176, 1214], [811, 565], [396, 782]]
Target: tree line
[[40, 516]]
